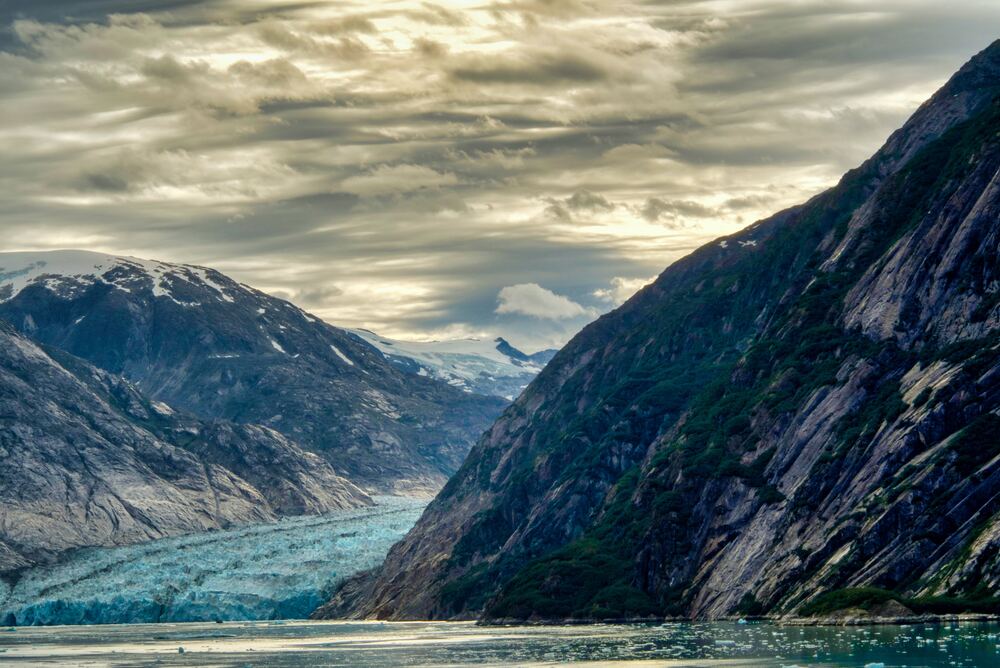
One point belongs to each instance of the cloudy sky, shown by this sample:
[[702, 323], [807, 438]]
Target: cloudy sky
[[453, 168]]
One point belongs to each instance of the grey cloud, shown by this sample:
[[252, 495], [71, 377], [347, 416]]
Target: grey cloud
[[346, 24], [584, 199], [167, 68], [578, 146], [536, 70], [276, 34], [579, 201], [429, 48], [655, 208], [437, 15], [317, 296], [276, 73]]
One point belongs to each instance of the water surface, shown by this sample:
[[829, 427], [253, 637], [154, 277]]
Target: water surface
[[378, 644]]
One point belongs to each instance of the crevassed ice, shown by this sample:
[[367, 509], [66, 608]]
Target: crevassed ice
[[460, 362], [282, 570]]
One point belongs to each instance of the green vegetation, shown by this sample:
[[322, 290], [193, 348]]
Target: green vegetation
[[590, 578], [922, 398], [749, 606], [977, 444], [703, 357], [581, 581], [841, 599], [468, 592], [867, 598]]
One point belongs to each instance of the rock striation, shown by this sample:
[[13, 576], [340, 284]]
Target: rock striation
[[86, 459], [200, 342], [807, 406]]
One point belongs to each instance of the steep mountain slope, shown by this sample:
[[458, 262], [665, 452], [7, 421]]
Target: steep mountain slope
[[493, 368], [203, 343], [85, 459], [808, 405]]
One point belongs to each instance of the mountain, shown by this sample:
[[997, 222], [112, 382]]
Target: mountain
[[493, 368], [807, 406], [86, 459], [202, 343]]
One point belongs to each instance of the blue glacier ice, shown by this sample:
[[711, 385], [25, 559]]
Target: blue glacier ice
[[282, 570]]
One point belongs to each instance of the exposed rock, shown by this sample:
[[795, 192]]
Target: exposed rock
[[200, 342], [809, 405], [85, 459]]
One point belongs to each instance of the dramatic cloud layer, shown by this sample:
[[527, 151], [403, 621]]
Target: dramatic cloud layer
[[429, 169]]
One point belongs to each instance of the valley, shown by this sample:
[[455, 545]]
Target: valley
[[278, 570]]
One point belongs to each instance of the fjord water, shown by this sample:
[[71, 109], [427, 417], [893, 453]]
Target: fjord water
[[377, 644], [279, 570]]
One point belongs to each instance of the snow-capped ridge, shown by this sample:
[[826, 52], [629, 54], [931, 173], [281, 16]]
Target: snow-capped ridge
[[67, 272], [474, 365]]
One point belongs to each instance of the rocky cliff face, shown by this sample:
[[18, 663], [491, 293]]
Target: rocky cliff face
[[201, 342], [809, 405], [85, 459]]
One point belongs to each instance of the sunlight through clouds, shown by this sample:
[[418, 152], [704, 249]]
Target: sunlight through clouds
[[407, 162]]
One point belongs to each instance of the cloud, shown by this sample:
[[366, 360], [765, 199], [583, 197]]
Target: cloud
[[655, 208], [621, 289], [345, 24], [533, 300], [429, 48], [580, 201], [396, 179], [588, 201], [531, 70], [416, 158]]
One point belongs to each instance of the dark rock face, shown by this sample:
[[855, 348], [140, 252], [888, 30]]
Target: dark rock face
[[85, 459], [809, 405], [204, 344]]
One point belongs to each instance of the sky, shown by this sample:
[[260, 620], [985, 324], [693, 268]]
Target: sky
[[447, 169]]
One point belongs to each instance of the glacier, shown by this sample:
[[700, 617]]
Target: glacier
[[281, 570], [491, 367]]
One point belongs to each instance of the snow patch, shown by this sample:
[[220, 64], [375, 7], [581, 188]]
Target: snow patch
[[462, 363], [161, 408], [68, 272], [277, 346], [341, 355]]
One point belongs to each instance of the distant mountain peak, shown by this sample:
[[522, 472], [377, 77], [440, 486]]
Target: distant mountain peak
[[199, 341], [492, 367], [66, 272], [768, 422]]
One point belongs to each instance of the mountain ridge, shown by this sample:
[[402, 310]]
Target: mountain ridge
[[203, 343], [476, 366], [793, 409], [88, 460]]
